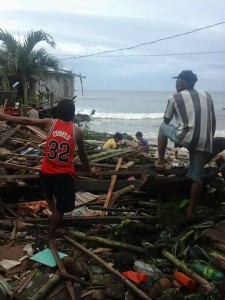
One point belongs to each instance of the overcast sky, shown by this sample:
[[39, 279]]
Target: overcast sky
[[81, 27]]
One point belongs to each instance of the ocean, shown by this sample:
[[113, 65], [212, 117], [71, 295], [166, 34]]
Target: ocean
[[132, 111]]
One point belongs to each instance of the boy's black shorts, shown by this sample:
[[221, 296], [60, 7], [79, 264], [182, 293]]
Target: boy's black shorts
[[62, 186]]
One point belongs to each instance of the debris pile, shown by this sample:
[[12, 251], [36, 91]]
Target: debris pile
[[128, 236]]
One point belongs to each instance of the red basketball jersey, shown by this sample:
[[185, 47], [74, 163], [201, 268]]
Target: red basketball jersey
[[60, 149]]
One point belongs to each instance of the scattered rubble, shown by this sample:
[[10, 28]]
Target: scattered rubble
[[128, 236]]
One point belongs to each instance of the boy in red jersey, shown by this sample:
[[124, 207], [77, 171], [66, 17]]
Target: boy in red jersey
[[57, 169]]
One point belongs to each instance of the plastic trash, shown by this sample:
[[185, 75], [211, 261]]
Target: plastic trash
[[207, 272], [153, 272], [184, 280], [28, 248], [136, 277]]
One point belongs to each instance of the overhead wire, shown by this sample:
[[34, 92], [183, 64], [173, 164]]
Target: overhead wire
[[145, 43], [164, 54]]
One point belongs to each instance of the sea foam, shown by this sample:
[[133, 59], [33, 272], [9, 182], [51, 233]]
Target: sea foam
[[100, 114]]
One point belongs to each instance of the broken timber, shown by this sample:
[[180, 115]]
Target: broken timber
[[62, 269], [14, 130], [111, 187], [136, 290], [125, 172], [85, 222]]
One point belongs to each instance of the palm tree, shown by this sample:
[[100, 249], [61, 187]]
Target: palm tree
[[22, 60]]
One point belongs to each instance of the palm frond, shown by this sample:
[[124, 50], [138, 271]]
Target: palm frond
[[36, 36], [3, 58], [10, 44], [45, 59], [37, 63]]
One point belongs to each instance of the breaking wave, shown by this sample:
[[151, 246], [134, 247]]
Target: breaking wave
[[119, 115]]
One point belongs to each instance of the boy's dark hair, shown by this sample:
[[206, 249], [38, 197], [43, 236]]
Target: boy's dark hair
[[66, 110], [118, 136], [139, 134]]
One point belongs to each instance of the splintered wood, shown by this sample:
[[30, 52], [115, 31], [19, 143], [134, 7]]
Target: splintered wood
[[26, 144], [83, 198]]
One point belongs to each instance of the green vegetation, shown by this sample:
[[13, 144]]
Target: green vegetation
[[20, 59]]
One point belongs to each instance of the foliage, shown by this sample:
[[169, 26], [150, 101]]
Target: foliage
[[87, 132], [37, 98], [22, 60], [4, 82]]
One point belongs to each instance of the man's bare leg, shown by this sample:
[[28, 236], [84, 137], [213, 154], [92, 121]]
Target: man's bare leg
[[55, 220], [51, 203], [162, 144], [196, 190]]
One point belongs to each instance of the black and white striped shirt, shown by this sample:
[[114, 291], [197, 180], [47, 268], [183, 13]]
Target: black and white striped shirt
[[194, 112]]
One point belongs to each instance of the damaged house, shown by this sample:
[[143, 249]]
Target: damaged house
[[41, 90]]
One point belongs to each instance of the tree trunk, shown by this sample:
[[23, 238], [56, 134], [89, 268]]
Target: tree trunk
[[25, 99]]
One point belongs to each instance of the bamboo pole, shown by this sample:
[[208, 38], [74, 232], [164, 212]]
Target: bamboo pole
[[112, 270], [46, 288], [208, 286], [106, 242], [120, 193], [101, 154], [115, 153]]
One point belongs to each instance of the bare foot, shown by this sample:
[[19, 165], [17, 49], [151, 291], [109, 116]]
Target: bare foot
[[189, 212], [159, 165]]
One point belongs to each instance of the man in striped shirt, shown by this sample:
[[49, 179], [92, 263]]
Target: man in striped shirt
[[194, 113]]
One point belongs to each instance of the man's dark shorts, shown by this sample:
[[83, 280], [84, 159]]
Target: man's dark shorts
[[62, 186]]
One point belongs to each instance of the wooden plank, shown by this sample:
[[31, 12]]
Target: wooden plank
[[21, 155], [19, 167], [87, 221], [124, 172], [19, 176], [62, 269], [14, 130], [30, 136], [103, 185], [37, 131], [8, 209], [111, 187], [25, 282], [79, 174], [36, 147]]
